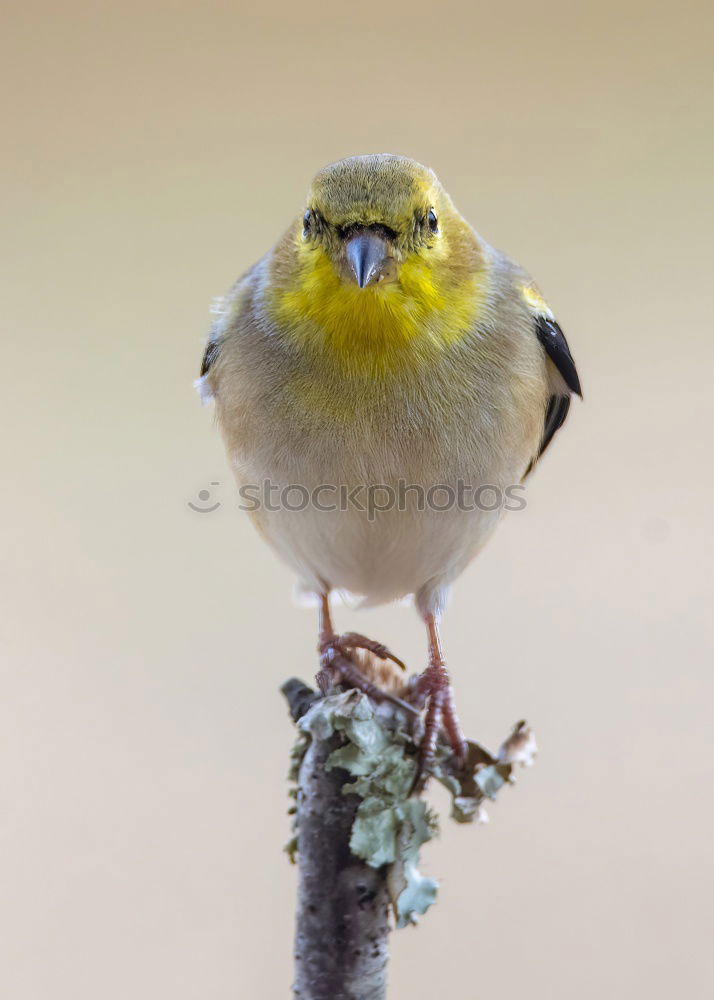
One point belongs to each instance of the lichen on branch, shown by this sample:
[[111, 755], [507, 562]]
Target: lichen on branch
[[373, 747]]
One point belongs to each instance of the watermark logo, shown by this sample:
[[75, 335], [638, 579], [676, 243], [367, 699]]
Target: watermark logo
[[206, 504], [371, 499]]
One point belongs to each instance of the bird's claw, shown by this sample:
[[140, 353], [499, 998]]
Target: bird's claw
[[353, 640], [336, 662]]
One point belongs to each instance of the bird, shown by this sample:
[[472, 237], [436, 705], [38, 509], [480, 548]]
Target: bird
[[380, 355]]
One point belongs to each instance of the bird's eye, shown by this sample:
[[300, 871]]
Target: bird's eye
[[307, 223], [433, 221]]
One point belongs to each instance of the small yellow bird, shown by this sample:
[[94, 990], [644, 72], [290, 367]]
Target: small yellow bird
[[384, 380]]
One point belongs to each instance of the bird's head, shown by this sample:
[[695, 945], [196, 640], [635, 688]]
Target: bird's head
[[371, 214], [379, 249]]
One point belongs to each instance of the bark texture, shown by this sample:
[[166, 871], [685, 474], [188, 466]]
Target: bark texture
[[342, 931], [344, 902]]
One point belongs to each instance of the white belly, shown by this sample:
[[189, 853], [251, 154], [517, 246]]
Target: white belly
[[381, 559], [380, 543]]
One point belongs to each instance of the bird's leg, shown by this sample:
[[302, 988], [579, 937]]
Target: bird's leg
[[434, 688], [336, 661]]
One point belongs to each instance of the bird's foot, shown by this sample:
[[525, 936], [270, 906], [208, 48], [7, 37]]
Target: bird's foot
[[433, 689], [337, 663], [353, 640]]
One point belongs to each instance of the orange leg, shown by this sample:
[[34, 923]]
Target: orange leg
[[336, 661], [434, 688]]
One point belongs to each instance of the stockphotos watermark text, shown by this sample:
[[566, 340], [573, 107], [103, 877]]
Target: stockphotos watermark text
[[370, 498]]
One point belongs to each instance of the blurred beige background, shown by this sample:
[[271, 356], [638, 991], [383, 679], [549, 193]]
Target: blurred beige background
[[151, 153]]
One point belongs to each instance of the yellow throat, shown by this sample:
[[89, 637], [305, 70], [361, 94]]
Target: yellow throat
[[381, 329]]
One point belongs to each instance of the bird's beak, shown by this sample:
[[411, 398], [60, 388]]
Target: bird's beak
[[367, 256]]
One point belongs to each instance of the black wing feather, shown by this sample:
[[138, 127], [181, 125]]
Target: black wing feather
[[210, 355], [555, 415], [556, 346]]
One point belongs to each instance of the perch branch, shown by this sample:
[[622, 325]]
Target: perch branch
[[359, 830]]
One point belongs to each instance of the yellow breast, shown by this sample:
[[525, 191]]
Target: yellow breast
[[380, 329]]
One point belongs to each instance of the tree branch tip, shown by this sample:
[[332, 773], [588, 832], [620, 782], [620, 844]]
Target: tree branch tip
[[299, 696]]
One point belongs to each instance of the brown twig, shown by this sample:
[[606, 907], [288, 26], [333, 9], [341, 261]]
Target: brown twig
[[341, 941]]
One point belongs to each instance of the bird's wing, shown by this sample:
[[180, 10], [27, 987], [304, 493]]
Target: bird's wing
[[226, 309], [556, 347], [564, 378], [209, 356]]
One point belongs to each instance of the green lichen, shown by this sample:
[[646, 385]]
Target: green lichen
[[390, 826], [391, 823]]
